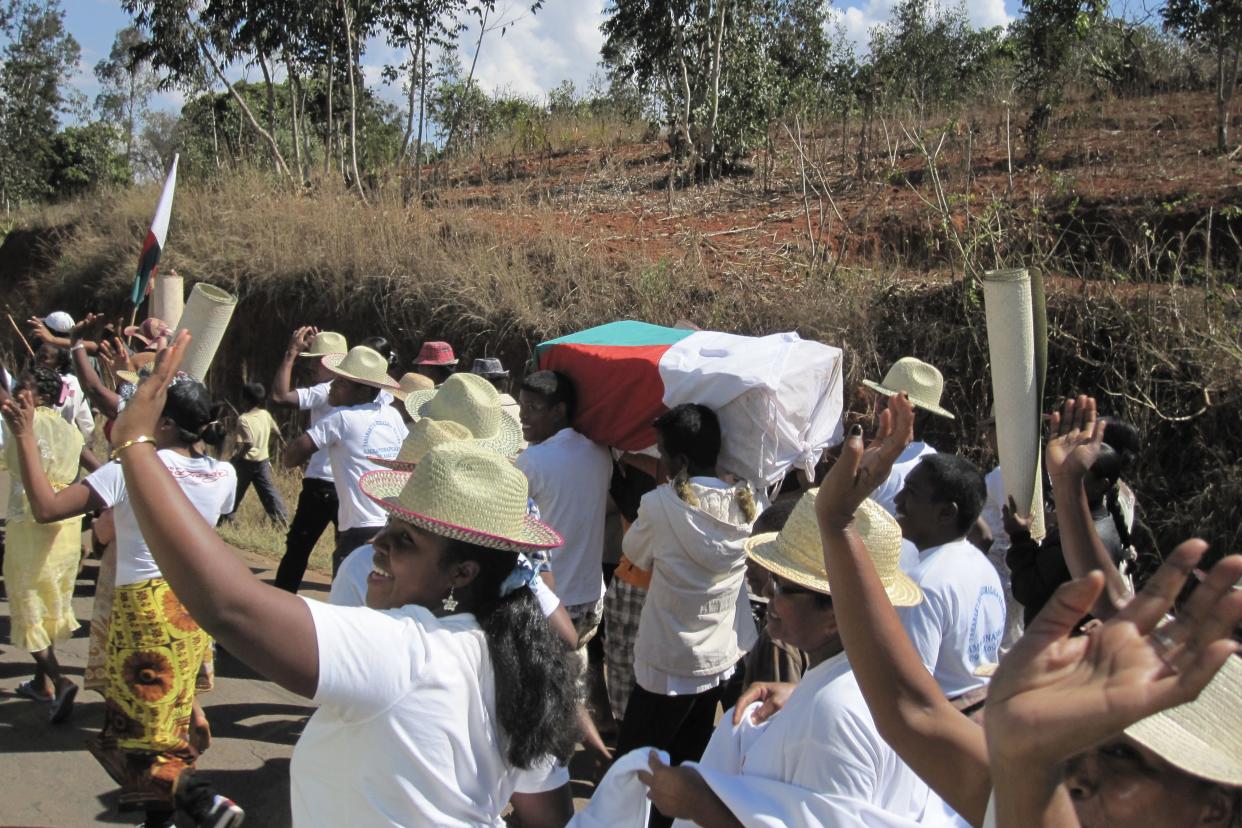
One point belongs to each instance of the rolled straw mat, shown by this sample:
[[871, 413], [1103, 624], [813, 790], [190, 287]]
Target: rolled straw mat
[[168, 298], [206, 317], [1017, 345]]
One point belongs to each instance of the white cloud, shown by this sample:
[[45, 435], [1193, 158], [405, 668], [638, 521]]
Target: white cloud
[[857, 20]]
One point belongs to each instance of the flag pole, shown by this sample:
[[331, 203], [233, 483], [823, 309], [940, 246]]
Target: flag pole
[[21, 336]]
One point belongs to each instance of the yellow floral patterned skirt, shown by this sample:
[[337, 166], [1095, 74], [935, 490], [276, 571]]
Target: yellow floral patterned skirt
[[40, 568], [154, 658]]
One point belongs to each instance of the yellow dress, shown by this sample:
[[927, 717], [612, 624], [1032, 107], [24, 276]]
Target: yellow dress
[[41, 559]]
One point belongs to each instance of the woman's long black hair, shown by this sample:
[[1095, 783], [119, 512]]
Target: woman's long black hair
[[536, 674], [189, 407]]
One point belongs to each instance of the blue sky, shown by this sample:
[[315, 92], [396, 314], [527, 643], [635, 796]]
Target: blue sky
[[536, 53]]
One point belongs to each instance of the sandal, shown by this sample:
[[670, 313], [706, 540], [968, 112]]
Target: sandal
[[28, 690], [62, 706]]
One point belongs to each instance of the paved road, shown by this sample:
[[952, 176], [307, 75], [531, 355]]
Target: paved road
[[49, 780]]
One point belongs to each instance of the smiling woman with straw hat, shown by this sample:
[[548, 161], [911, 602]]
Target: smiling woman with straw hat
[[820, 760], [445, 696], [1055, 700]]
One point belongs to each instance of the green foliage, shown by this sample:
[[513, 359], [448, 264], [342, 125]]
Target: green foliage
[[1044, 38], [85, 158], [1216, 27], [36, 63]]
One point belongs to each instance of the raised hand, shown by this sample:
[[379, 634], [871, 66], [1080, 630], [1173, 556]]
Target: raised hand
[[19, 412], [38, 330], [1075, 435], [1054, 696], [302, 338], [858, 471], [115, 355], [145, 407], [1013, 521], [86, 327]]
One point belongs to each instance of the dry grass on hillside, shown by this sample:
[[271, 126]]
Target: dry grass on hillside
[[252, 531]]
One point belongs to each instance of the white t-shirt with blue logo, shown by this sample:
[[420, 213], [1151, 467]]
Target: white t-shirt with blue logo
[[959, 625], [351, 434]]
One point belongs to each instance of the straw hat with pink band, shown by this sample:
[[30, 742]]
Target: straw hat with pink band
[[423, 437], [464, 492], [472, 401], [796, 553], [362, 365]]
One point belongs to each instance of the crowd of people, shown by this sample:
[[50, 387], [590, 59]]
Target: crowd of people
[[888, 642]]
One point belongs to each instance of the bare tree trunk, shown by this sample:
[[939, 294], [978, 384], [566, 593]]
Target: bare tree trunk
[[422, 113], [353, 100], [710, 150], [415, 65], [1226, 80], [281, 167], [692, 153], [478, 47], [331, 128], [294, 87], [270, 91]]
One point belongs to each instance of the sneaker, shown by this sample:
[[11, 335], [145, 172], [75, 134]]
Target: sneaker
[[223, 813]]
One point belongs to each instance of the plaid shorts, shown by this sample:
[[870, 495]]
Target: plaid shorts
[[623, 606]]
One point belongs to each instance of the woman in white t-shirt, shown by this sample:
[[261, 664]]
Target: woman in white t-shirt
[[152, 734], [440, 701]]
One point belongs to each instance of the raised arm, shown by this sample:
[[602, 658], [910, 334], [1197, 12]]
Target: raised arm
[[1073, 447], [107, 400], [46, 504], [267, 628], [947, 750], [283, 392]]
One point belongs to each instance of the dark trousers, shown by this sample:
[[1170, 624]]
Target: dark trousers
[[316, 509], [258, 472], [682, 725], [348, 541]]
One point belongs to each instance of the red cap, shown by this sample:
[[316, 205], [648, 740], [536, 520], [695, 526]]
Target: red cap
[[436, 353]]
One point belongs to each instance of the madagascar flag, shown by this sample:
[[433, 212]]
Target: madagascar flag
[[778, 397], [154, 244]]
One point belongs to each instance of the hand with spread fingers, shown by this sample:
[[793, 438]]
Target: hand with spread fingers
[[19, 412], [1054, 696], [302, 339], [858, 471], [142, 412], [1075, 435], [86, 327], [115, 355]]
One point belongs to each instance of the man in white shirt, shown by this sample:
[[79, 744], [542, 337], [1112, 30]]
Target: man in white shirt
[[569, 478], [924, 385], [317, 503], [958, 627], [361, 425]]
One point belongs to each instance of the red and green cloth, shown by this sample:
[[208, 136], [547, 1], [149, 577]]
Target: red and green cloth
[[778, 397]]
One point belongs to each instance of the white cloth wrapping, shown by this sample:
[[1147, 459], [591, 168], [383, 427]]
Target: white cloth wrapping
[[620, 799], [778, 397]]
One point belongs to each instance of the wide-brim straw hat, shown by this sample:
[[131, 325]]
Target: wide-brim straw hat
[[1204, 737], [412, 382], [471, 400], [148, 331], [796, 553], [324, 343], [423, 437], [463, 492], [921, 382], [362, 365]]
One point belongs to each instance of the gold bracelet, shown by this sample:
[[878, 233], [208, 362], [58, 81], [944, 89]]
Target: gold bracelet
[[142, 438]]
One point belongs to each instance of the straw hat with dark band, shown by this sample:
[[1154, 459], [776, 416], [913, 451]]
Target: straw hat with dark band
[[474, 402], [464, 492], [1202, 737], [324, 343], [796, 553], [923, 383], [423, 437], [362, 365]]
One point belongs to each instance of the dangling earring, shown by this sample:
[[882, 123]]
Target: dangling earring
[[449, 604]]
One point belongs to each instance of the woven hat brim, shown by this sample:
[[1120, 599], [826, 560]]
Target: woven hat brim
[[395, 465], [439, 363], [763, 550], [889, 392], [320, 354], [507, 441], [384, 487], [330, 361]]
